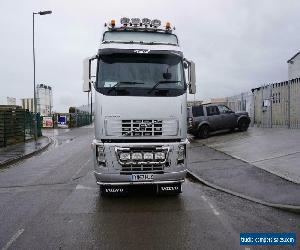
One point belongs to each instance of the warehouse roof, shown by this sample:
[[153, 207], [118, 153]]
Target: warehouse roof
[[293, 57]]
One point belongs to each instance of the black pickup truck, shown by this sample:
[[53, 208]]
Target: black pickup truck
[[204, 119]]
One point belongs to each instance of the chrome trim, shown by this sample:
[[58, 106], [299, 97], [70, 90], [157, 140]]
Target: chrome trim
[[140, 144], [138, 129], [138, 183], [159, 149]]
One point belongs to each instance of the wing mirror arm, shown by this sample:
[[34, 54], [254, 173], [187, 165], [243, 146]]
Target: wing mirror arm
[[190, 66], [87, 81]]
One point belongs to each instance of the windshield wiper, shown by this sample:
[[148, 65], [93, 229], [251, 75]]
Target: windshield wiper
[[161, 82], [123, 82]]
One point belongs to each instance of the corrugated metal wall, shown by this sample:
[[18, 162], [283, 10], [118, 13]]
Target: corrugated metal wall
[[277, 104]]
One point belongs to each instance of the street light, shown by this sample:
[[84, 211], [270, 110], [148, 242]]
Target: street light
[[47, 12]]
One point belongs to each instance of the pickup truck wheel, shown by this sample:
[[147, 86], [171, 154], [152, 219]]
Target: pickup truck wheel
[[203, 132], [243, 125]]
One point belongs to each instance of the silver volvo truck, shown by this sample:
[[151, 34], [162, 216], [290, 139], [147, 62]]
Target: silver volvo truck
[[140, 85]]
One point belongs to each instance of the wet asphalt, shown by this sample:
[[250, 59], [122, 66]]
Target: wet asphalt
[[51, 201]]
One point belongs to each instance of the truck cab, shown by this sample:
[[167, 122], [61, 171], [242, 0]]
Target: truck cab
[[140, 89]]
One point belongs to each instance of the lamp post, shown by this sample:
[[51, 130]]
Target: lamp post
[[47, 12]]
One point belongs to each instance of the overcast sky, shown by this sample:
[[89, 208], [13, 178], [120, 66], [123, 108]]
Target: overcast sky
[[236, 44]]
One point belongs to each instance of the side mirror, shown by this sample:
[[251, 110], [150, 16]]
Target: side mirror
[[185, 65], [190, 66], [192, 87], [86, 75], [87, 82]]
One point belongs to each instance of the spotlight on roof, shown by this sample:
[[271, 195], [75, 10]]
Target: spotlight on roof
[[125, 21], [156, 23], [135, 21], [146, 21]]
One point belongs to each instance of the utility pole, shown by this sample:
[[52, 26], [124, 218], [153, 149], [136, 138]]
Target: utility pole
[[47, 12]]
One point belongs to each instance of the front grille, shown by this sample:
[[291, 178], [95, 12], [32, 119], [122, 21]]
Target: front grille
[[142, 127]]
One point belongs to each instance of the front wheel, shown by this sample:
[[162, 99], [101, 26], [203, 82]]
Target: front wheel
[[243, 125], [203, 132]]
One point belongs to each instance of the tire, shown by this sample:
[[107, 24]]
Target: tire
[[203, 132], [243, 125], [102, 191]]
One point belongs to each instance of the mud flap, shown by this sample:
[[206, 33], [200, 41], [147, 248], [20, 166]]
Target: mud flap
[[113, 190], [169, 188]]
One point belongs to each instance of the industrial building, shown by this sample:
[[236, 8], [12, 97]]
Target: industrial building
[[27, 103], [294, 67], [277, 104], [44, 99]]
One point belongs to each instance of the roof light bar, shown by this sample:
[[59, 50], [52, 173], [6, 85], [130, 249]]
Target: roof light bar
[[144, 23]]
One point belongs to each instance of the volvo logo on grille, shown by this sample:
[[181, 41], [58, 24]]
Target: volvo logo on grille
[[143, 125]]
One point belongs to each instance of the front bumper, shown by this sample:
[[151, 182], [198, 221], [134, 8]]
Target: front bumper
[[114, 173], [120, 179]]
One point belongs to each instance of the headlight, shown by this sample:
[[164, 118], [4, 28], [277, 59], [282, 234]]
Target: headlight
[[181, 154], [100, 154], [136, 156], [124, 156], [159, 156], [148, 156]]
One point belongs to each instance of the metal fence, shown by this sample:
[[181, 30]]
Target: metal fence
[[17, 125], [79, 119], [277, 105]]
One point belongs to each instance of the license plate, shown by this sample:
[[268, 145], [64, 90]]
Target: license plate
[[141, 177]]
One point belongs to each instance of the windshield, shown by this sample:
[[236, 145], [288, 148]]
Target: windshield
[[140, 75], [146, 37]]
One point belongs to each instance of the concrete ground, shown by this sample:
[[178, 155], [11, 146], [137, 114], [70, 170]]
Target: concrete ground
[[13, 153], [51, 201], [274, 150]]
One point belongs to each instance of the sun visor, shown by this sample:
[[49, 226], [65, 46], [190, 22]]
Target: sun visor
[[109, 51]]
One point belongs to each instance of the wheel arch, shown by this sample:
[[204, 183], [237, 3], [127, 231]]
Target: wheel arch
[[243, 117]]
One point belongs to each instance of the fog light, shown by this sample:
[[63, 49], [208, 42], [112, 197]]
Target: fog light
[[124, 156], [136, 156], [148, 156], [159, 156]]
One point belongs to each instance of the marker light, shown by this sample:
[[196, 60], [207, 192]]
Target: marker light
[[113, 23], [146, 21], [156, 23], [135, 21], [125, 21], [168, 25]]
